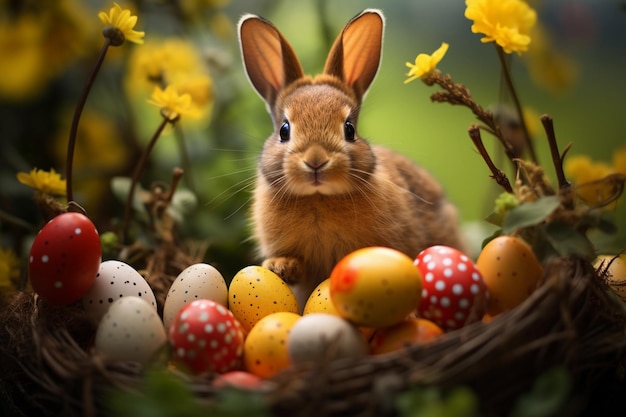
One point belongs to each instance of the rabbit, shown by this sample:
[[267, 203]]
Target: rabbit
[[322, 191]]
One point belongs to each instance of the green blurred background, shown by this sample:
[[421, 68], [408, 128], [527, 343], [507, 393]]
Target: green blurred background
[[585, 99]]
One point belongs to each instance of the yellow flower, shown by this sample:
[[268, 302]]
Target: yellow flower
[[583, 171], [122, 23], [171, 103], [548, 67], [619, 160], [43, 181], [9, 269], [425, 64], [506, 22]]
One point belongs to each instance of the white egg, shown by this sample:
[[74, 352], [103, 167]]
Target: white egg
[[198, 281], [115, 279], [131, 330], [322, 336]]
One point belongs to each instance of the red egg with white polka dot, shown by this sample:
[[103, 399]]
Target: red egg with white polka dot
[[206, 337], [453, 291], [64, 259]]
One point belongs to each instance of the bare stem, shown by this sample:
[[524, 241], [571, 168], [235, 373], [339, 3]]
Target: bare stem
[[557, 159], [497, 174], [516, 101], [128, 209], [77, 113]]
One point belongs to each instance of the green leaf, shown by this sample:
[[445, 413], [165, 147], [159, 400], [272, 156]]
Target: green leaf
[[121, 187], [433, 402], [529, 214], [495, 218], [568, 241], [236, 403], [548, 396], [488, 239]]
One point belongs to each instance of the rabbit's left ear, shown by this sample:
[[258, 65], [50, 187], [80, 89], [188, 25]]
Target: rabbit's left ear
[[355, 55]]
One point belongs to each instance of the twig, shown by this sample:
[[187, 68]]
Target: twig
[[557, 159], [516, 101], [497, 174], [458, 94]]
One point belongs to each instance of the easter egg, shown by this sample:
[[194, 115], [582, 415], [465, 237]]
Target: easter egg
[[511, 272], [613, 269], [319, 301], [255, 292], [200, 281], [265, 347], [64, 258], [453, 292], [115, 279], [206, 337], [131, 330], [375, 286], [237, 379], [411, 331], [323, 337]]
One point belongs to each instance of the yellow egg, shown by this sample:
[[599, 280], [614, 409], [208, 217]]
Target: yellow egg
[[255, 292], [615, 268], [375, 286], [265, 348], [319, 301], [511, 272]]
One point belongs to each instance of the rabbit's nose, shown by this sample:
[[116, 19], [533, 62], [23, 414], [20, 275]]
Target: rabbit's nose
[[316, 165]]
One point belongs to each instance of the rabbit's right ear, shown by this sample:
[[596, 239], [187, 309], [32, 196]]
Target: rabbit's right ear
[[269, 60]]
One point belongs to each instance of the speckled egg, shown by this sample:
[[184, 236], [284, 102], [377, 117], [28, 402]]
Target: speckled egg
[[319, 301], [196, 282], [115, 279], [131, 330], [206, 337], [453, 291], [255, 292], [375, 286], [323, 337], [265, 348], [511, 272]]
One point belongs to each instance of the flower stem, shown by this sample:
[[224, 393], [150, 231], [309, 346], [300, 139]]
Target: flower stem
[[137, 173], [77, 113], [497, 174], [516, 101]]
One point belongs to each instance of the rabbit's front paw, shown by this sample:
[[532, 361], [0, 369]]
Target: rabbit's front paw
[[289, 269]]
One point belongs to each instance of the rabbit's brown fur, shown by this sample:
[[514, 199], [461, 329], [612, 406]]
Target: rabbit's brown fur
[[321, 194]]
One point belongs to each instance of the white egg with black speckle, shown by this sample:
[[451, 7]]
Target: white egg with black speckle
[[196, 282], [114, 280], [131, 330]]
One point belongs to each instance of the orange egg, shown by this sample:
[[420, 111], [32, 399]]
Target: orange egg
[[375, 286], [408, 332], [511, 272], [615, 268], [319, 302], [265, 348]]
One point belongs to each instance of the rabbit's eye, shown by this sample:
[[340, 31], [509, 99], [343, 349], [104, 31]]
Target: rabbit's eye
[[284, 132], [349, 131]]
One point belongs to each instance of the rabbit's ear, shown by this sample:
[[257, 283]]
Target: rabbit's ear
[[270, 61], [355, 55]]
